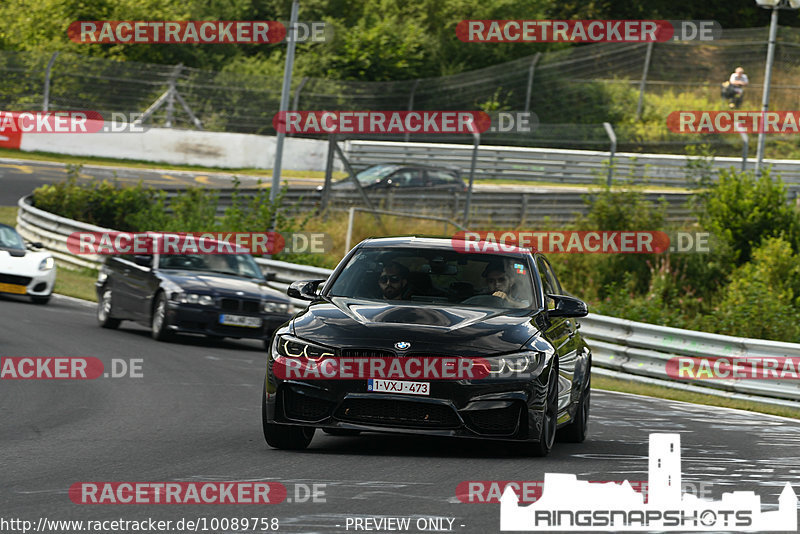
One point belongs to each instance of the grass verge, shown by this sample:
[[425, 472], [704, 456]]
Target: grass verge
[[625, 386]]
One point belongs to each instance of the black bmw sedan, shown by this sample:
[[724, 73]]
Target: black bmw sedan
[[223, 295], [413, 335]]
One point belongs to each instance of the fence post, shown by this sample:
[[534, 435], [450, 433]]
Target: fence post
[[477, 142], [171, 94], [643, 82], [46, 103], [613, 138], [411, 105], [529, 90]]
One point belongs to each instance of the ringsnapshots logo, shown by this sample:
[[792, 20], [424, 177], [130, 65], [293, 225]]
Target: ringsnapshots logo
[[568, 504]]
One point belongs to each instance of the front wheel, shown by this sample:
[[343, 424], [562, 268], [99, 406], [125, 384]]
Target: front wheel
[[104, 307], [284, 436], [547, 430], [158, 324], [576, 431]]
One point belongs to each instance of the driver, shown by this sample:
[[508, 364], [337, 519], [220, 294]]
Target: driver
[[500, 284], [393, 281]]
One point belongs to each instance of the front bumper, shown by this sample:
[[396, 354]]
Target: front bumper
[[38, 285], [487, 409], [206, 320]]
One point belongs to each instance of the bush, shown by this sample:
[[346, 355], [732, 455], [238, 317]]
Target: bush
[[761, 300], [102, 203], [741, 210]]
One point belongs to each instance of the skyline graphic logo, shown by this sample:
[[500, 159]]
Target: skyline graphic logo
[[569, 504]]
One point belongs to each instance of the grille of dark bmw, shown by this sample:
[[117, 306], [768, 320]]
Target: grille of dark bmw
[[501, 421], [367, 353], [14, 279], [250, 306], [305, 408], [399, 413]]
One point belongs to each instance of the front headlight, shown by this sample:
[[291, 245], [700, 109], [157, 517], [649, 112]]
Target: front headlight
[[271, 306], [291, 347], [47, 264], [102, 274], [194, 298], [519, 362]]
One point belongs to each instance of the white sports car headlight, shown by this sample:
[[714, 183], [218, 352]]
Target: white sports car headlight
[[47, 264]]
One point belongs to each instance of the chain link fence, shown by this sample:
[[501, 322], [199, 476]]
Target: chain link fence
[[572, 91]]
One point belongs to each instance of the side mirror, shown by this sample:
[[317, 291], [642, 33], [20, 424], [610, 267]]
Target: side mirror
[[270, 277], [304, 289], [36, 245], [143, 260], [568, 307]]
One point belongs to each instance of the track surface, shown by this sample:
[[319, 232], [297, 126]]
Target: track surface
[[195, 416]]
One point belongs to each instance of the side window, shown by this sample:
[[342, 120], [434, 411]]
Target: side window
[[441, 178], [548, 286], [554, 283], [407, 178]]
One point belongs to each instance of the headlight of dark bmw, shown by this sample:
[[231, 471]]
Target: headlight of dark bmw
[[292, 347], [526, 361], [272, 306]]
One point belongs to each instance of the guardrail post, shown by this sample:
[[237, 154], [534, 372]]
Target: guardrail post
[[529, 89], [613, 138], [643, 82], [47, 73]]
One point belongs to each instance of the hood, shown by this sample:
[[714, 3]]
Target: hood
[[356, 323], [21, 262], [221, 285]]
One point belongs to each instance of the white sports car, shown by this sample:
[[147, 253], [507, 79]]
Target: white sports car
[[23, 271]]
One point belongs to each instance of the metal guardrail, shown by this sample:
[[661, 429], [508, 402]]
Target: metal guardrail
[[501, 209], [552, 165], [628, 349]]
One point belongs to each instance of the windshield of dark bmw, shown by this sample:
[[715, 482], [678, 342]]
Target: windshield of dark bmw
[[9, 238], [436, 277], [233, 264]]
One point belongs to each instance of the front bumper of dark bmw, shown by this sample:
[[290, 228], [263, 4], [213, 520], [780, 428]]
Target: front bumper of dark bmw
[[486, 408]]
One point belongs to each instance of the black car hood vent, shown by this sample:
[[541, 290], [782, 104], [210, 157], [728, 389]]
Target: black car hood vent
[[369, 313], [367, 324]]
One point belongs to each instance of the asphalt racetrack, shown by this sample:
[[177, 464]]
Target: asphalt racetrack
[[194, 415]]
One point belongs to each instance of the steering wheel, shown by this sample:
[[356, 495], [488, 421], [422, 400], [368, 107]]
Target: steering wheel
[[486, 300]]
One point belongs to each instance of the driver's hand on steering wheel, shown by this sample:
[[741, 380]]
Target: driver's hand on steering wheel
[[500, 294]]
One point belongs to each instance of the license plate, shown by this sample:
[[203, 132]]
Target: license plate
[[399, 386], [13, 288], [240, 320]]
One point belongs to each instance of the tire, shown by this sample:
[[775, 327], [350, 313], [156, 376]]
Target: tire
[[284, 436], [341, 432], [576, 431], [158, 321], [547, 431], [104, 307], [40, 300]]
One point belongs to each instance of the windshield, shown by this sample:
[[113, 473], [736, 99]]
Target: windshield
[[9, 238], [376, 173], [234, 264], [436, 277]]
